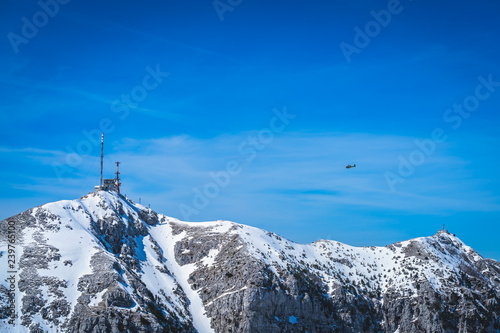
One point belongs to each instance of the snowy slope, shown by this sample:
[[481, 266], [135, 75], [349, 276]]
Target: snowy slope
[[68, 229], [106, 263], [372, 267]]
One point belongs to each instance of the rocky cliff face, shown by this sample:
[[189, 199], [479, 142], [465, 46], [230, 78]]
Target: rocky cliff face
[[106, 264]]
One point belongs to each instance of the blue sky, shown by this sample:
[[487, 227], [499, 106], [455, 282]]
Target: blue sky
[[250, 110]]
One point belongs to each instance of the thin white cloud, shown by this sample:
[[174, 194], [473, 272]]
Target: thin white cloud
[[4, 149], [307, 169], [303, 162]]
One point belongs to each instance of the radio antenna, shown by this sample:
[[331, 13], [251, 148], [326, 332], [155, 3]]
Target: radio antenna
[[102, 153]]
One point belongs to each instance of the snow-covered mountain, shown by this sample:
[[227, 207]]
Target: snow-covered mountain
[[106, 264]]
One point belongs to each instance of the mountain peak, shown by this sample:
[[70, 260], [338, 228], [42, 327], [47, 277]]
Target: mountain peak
[[104, 263]]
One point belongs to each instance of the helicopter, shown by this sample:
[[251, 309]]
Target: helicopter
[[350, 166]]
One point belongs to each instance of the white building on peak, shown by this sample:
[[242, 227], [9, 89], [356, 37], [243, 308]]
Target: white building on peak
[[107, 185]]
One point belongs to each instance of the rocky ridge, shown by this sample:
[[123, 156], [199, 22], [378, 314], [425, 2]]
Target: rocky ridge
[[106, 264]]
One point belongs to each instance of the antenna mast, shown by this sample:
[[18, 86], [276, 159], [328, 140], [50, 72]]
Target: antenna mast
[[117, 178], [102, 153]]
